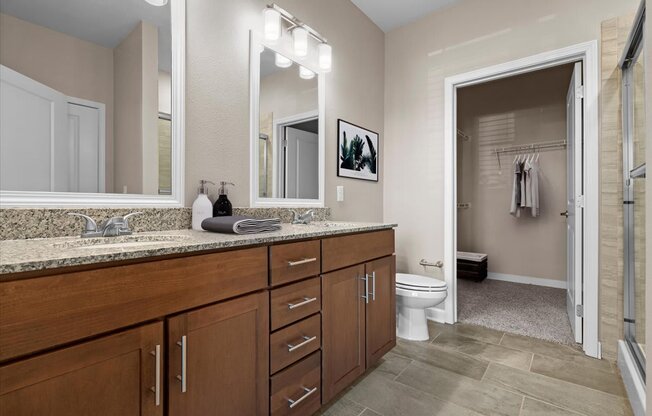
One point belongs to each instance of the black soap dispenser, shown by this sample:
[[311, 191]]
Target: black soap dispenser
[[223, 207]]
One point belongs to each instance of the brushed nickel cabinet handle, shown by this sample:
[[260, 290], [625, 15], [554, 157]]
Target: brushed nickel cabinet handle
[[293, 403], [184, 369], [157, 383], [373, 286], [306, 300], [302, 261], [366, 288], [306, 340]]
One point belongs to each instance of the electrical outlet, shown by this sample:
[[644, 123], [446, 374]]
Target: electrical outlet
[[340, 193]]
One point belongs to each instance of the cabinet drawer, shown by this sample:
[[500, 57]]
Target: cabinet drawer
[[297, 390], [294, 261], [340, 252], [294, 342], [47, 311], [292, 303]]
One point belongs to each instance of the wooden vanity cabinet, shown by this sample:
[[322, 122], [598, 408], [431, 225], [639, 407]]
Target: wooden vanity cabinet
[[120, 374], [380, 322], [218, 359]]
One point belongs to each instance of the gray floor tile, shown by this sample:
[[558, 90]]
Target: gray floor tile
[[476, 332], [533, 407], [390, 398], [551, 349], [443, 358], [490, 352], [343, 407], [578, 374], [391, 365], [369, 412], [464, 391], [567, 395]]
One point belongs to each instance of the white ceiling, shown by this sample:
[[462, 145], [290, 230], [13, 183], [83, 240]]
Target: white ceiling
[[103, 22], [390, 14]]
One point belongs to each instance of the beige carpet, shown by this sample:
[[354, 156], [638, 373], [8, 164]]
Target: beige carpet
[[534, 311]]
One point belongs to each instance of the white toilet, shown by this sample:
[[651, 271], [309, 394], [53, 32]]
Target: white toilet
[[414, 294]]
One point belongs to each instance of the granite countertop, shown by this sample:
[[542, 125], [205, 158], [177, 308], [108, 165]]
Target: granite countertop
[[48, 253]]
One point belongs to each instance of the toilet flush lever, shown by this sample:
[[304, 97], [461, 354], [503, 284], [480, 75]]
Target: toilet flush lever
[[426, 263]]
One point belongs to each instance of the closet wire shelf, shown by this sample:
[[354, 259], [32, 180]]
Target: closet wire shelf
[[529, 148]]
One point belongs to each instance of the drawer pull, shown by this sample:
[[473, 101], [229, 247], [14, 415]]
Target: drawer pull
[[293, 403], [302, 261], [157, 383], [306, 340], [306, 300]]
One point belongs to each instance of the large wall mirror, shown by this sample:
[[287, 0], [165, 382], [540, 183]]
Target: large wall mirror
[[91, 102], [287, 129]]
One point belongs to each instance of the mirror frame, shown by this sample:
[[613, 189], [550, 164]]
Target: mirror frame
[[31, 199], [256, 43]]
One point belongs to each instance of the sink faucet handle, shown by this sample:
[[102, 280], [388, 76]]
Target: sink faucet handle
[[91, 225], [125, 219], [295, 213]]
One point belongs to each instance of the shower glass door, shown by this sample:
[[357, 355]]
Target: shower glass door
[[634, 192]]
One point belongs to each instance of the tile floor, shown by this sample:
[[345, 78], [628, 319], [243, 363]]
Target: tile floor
[[471, 370]]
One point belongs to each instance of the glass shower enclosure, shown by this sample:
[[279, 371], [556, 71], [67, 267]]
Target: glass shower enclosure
[[633, 78]]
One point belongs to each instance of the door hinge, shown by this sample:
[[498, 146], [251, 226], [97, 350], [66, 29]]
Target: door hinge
[[579, 311], [580, 201], [580, 91]]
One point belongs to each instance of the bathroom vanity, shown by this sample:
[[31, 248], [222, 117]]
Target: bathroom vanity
[[194, 323]]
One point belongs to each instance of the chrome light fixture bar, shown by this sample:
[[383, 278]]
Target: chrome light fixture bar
[[294, 22]]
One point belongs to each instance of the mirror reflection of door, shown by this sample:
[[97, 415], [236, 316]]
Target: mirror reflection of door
[[301, 158]]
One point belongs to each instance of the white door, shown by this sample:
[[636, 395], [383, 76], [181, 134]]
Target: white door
[[85, 148], [574, 213], [33, 132], [301, 161]]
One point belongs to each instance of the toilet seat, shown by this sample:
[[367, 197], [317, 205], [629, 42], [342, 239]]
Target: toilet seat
[[416, 283]]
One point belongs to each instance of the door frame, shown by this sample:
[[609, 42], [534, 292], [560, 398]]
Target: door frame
[[277, 135], [101, 162], [587, 53]]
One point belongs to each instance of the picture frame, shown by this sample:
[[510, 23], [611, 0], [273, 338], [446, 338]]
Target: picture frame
[[357, 152]]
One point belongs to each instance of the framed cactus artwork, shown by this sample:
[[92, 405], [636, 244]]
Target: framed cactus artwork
[[357, 152]]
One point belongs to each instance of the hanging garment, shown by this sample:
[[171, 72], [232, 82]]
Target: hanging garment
[[527, 169], [523, 185], [534, 187], [515, 207]]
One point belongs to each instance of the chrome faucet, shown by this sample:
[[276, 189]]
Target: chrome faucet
[[305, 218], [113, 227]]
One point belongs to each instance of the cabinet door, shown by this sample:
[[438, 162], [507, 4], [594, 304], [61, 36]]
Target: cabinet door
[[114, 375], [381, 309], [219, 359], [343, 329]]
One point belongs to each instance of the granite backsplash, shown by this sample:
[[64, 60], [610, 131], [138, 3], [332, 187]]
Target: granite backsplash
[[22, 223]]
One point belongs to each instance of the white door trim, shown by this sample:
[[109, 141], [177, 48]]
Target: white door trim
[[587, 53]]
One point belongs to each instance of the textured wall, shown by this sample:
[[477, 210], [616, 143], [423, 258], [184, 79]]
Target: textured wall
[[217, 112]]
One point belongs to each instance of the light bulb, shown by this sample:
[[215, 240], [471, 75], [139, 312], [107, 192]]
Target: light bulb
[[272, 27], [282, 62], [157, 2], [300, 39], [305, 73], [325, 57]]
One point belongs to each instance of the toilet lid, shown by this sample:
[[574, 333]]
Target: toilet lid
[[416, 282]]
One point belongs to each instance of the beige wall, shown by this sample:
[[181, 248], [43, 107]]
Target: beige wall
[[515, 111], [648, 193], [72, 66], [136, 104], [217, 119]]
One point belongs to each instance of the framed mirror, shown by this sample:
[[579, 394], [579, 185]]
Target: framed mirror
[[92, 103], [287, 128]]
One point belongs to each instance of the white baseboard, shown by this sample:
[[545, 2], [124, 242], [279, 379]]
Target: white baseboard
[[633, 381], [436, 314], [528, 280]]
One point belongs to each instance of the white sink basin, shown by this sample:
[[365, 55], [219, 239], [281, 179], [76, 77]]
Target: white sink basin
[[127, 242]]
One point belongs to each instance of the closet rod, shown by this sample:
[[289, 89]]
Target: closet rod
[[533, 147]]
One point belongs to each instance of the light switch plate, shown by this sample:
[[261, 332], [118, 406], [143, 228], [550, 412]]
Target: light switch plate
[[340, 193]]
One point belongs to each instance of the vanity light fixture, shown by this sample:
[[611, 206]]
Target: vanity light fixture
[[305, 73], [273, 30], [282, 62], [158, 3], [272, 19], [325, 56]]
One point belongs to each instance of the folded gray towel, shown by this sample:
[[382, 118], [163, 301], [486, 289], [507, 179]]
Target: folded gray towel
[[240, 225]]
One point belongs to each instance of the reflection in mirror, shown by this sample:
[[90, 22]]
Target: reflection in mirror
[[289, 129], [85, 96]]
